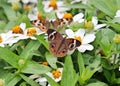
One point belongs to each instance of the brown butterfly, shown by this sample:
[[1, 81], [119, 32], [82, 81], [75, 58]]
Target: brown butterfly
[[59, 45], [43, 25], [60, 22]]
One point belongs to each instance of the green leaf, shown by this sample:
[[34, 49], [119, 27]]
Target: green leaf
[[40, 7], [31, 46], [106, 46], [97, 84], [42, 40], [23, 19], [81, 63], [106, 6], [29, 81], [51, 81], [9, 57], [34, 68], [9, 25], [118, 4], [69, 77], [11, 79], [10, 13], [89, 71], [115, 26], [51, 60]]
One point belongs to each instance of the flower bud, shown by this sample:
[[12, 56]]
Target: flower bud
[[89, 25], [116, 38]]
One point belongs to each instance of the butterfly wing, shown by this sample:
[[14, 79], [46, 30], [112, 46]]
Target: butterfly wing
[[73, 43], [61, 22], [43, 25], [54, 35], [58, 44]]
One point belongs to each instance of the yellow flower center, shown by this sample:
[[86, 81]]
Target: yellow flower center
[[27, 7], [2, 82], [78, 38], [39, 15], [45, 63], [31, 31], [17, 30], [53, 4], [1, 39], [56, 73], [89, 25], [67, 15]]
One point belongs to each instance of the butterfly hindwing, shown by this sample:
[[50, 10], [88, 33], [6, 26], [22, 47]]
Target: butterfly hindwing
[[73, 43]]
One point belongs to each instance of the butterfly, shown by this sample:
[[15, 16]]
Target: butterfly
[[61, 22], [43, 25], [59, 45]]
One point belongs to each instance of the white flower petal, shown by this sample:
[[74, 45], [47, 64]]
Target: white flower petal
[[85, 47], [69, 33], [23, 26], [70, 52], [80, 32], [60, 14], [81, 48], [32, 16], [33, 76], [81, 20], [99, 26], [117, 13], [78, 17], [43, 79], [94, 20], [88, 38]]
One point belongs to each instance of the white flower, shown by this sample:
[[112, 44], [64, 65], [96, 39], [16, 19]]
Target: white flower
[[76, 18], [82, 1], [85, 39], [13, 1], [29, 32], [29, 1], [79, 18], [3, 38], [13, 36], [117, 13], [95, 23], [34, 14], [42, 80], [53, 5]]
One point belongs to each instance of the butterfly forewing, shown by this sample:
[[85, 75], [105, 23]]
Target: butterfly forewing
[[54, 35], [43, 25]]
